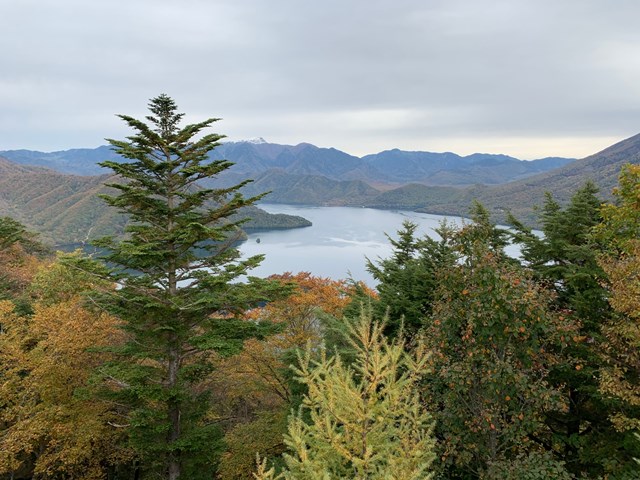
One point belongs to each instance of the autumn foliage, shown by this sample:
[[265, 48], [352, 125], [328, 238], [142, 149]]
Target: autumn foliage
[[50, 428], [492, 367]]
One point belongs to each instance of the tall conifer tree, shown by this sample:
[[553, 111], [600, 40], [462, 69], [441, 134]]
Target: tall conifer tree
[[178, 294]]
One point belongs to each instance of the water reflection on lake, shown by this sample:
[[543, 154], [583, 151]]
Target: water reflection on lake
[[337, 243]]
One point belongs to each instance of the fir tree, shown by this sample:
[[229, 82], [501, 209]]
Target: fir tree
[[406, 280], [179, 294]]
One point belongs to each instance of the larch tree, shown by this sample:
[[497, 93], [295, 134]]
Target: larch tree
[[360, 421], [258, 386], [182, 288]]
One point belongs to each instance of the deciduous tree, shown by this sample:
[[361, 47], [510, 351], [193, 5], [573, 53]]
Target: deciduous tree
[[491, 331], [566, 260], [18, 261], [48, 428], [360, 421], [620, 231]]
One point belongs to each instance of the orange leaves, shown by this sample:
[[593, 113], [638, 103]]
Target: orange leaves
[[257, 377], [257, 380], [331, 296]]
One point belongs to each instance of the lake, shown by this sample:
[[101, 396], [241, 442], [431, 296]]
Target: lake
[[338, 242]]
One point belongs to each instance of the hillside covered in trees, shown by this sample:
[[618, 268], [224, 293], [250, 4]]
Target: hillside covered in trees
[[67, 209], [161, 361]]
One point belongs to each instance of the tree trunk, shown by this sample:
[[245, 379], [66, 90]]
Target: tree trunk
[[174, 413]]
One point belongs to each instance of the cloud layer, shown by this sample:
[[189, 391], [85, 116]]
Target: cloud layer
[[524, 77]]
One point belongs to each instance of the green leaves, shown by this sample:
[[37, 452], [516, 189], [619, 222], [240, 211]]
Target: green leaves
[[490, 333], [180, 287]]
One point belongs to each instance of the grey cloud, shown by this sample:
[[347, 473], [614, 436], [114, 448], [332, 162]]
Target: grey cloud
[[284, 69]]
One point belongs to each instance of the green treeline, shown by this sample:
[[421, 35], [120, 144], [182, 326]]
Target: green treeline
[[167, 359]]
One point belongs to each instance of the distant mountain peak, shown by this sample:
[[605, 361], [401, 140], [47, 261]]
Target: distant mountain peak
[[255, 141]]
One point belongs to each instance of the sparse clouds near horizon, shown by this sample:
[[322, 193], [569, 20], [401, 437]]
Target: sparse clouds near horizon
[[529, 78]]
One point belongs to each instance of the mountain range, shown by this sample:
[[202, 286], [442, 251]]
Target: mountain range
[[56, 193], [391, 167]]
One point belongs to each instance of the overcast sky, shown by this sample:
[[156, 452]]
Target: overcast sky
[[529, 78]]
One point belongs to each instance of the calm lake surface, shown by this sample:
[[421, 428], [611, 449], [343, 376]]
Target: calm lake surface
[[337, 243]]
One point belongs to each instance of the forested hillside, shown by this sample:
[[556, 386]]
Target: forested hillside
[[532, 354], [67, 209], [305, 174], [521, 196]]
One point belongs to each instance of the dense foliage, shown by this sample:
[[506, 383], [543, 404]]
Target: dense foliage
[[169, 361]]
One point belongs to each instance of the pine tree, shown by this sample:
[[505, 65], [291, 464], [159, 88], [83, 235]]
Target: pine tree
[[179, 292], [363, 421]]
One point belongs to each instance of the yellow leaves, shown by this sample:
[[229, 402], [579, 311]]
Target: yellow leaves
[[257, 377], [45, 359], [17, 268], [6, 308], [369, 424]]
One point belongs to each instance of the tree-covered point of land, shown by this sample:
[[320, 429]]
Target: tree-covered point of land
[[179, 292]]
